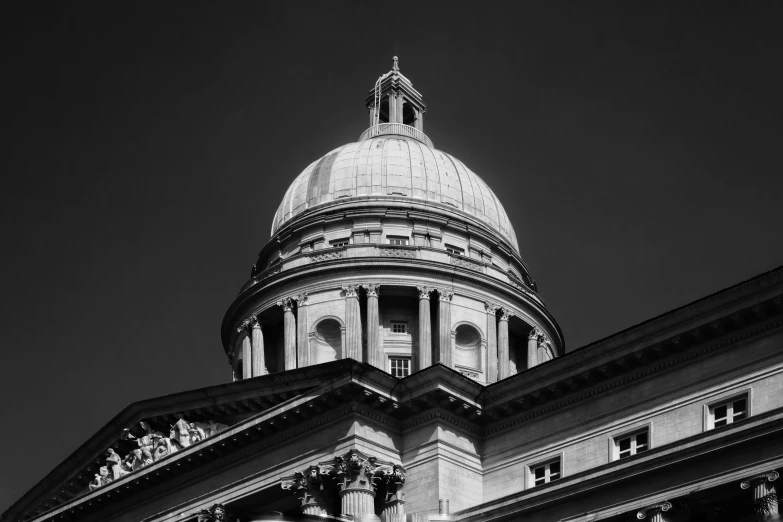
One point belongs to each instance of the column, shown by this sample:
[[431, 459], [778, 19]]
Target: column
[[374, 347], [310, 488], [302, 339], [444, 327], [532, 347], [654, 512], [425, 329], [247, 353], [289, 333], [492, 342], [765, 500], [357, 487], [353, 324], [257, 347], [503, 349], [394, 503]]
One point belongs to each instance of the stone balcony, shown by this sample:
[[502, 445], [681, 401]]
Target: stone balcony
[[397, 129]]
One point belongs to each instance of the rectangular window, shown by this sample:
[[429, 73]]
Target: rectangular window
[[399, 327], [400, 366], [728, 412], [397, 240], [545, 473], [339, 242], [451, 249], [629, 445]]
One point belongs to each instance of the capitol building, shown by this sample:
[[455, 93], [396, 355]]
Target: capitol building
[[391, 359]]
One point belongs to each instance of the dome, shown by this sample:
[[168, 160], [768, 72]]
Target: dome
[[394, 167]]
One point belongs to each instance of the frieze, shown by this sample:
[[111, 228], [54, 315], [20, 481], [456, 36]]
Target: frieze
[[327, 256], [465, 263], [397, 252]]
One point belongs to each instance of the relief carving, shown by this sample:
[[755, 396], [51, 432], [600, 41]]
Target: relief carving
[[151, 447]]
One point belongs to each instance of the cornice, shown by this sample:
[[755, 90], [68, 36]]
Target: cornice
[[749, 431], [394, 207]]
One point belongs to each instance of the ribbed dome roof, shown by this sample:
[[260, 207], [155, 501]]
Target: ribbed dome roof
[[394, 166]]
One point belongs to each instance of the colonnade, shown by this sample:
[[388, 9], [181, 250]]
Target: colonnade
[[297, 352]]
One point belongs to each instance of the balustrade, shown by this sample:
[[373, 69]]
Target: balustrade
[[399, 129]]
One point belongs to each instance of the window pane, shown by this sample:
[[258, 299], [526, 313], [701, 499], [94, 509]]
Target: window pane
[[625, 444], [539, 473], [720, 412], [554, 468], [719, 423], [641, 439], [740, 409]]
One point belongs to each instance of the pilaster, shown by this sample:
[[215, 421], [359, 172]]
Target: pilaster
[[504, 359], [353, 325], [374, 346], [492, 342], [424, 357], [444, 327], [289, 333]]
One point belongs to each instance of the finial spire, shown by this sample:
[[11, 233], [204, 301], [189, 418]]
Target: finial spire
[[396, 66]]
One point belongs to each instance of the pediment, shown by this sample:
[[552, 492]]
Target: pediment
[[150, 432]]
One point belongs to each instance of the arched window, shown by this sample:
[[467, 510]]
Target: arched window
[[327, 341], [468, 347]]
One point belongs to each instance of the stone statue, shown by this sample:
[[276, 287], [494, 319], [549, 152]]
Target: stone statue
[[114, 462], [153, 445], [217, 513], [180, 431], [211, 428], [96, 483], [101, 479], [196, 434]]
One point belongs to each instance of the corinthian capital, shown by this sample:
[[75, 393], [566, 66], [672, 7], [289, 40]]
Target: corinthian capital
[[444, 295], [505, 314], [373, 289], [301, 299], [243, 326], [254, 322], [491, 308], [351, 290], [424, 291], [287, 304], [535, 333]]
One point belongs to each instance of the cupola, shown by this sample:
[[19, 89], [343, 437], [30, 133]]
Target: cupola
[[394, 100]]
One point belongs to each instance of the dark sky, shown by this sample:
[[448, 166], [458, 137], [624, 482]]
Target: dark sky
[[637, 150]]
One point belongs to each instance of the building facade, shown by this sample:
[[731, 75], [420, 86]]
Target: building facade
[[392, 359]]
